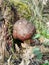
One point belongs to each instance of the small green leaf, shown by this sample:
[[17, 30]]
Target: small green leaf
[[46, 43], [38, 53], [37, 36]]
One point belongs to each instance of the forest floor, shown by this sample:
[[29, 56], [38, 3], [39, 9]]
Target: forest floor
[[16, 52]]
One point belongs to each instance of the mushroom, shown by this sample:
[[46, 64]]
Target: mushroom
[[23, 30]]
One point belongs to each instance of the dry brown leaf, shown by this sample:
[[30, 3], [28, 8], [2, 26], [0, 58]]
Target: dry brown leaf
[[17, 48], [24, 45]]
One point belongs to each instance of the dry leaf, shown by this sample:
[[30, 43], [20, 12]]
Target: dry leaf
[[24, 45], [17, 48], [22, 63], [9, 62]]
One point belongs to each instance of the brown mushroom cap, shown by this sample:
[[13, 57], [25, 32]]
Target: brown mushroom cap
[[23, 29]]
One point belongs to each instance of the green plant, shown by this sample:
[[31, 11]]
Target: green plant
[[38, 20], [45, 63], [36, 36], [22, 8], [38, 53]]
